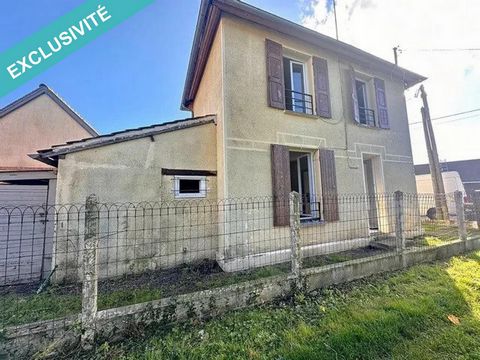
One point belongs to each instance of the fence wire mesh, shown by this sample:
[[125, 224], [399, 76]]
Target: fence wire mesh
[[150, 251]]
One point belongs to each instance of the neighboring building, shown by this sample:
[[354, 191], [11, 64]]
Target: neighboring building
[[451, 181], [39, 119], [277, 107], [469, 171], [36, 120]]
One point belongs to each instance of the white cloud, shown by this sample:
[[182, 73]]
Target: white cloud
[[454, 77]]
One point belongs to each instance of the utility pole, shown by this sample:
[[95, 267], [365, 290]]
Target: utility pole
[[437, 180], [335, 15], [395, 54]]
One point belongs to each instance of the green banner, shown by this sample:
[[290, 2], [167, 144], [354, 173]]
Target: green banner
[[59, 39]]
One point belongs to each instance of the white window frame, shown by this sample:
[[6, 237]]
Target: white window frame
[[314, 209], [365, 92], [305, 88], [176, 186]]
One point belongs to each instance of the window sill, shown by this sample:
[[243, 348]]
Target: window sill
[[311, 223], [370, 127], [301, 114]]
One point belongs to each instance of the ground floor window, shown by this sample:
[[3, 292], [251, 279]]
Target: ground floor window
[[190, 186], [302, 181]]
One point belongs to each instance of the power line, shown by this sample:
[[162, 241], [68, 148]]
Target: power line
[[451, 121], [450, 115], [443, 49], [460, 113]]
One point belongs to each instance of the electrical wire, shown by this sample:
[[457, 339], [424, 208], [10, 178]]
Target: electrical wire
[[447, 116], [450, 121], [442, 49]]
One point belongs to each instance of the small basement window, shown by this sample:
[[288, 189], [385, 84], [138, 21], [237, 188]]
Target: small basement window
[[190, 186]]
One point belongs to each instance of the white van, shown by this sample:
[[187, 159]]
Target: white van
[[452, 183]]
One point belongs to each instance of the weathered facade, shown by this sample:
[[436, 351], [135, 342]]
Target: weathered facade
[[294, 110]]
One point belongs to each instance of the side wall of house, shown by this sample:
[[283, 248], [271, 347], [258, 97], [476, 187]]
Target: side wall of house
[[36, 125], [209, 101], [163, 231]]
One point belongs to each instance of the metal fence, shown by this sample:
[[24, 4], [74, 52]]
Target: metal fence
[[64, 263]]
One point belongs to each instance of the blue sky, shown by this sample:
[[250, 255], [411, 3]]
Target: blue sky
[[131, 76], [134, 74]]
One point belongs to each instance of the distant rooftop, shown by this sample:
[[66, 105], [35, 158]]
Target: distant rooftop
[[469, 170], [45, 90]]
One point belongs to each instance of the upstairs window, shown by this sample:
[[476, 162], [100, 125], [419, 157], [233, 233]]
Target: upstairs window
[[368, 93], [296, 97], [366, 114]]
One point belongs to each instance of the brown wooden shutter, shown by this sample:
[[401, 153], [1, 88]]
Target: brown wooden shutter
[[329, 185], [381, 103], [281, 185], [322, 88], [353, 88], [276, 85]]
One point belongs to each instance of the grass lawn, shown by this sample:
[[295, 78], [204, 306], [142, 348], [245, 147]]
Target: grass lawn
[[21, 306], [429, 311]]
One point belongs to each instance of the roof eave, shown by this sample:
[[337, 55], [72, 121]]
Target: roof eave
[[201, 21], [251, 13], [50, 156]]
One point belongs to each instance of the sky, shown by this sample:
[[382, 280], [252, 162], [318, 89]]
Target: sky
[[134, 74]]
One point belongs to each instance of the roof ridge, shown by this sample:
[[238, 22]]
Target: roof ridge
[[44, 89]]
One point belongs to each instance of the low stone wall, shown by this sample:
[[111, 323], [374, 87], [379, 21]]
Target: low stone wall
[[21, 341]]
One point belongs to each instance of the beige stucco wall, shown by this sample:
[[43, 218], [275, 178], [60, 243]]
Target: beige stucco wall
[[36, 125], [209, 101], [252, 125], [130, 171], [160, 232]]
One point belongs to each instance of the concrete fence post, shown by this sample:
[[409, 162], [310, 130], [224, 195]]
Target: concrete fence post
[[476, 207], [294, 202], [399, 220], [460, 210], [90, 273]]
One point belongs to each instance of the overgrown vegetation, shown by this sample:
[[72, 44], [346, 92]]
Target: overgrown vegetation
[[430, 311]]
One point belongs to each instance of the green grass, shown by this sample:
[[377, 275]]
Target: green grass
[[437, 233], [57, 302], [403, 315]]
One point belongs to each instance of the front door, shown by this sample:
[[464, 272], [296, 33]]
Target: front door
[[371, 190]]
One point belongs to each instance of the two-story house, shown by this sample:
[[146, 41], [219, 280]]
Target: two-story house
[[275, 107]]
